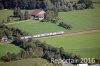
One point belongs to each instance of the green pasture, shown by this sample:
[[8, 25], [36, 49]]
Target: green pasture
[[79, 19], [5, 48], [6, 12], [82, 19], [85, 45], [27, 62], [36, 27]]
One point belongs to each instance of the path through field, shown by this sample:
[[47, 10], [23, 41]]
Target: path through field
[[74, 33], [19, 22]]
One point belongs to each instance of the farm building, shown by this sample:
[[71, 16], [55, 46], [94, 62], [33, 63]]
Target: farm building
[[3, 39], [38, 14]]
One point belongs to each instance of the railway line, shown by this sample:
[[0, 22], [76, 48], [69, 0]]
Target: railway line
[[59, 34]]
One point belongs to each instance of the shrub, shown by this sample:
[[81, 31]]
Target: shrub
[[66, 26]]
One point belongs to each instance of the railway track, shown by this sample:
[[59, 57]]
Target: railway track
[[73, 33]]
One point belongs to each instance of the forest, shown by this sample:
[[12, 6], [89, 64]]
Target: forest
[[60, 5]]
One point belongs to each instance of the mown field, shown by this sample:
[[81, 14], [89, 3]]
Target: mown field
[[85, 45], [5, 48], [27, 62], [80, 20], [36, 27]]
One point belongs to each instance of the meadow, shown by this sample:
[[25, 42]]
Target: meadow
[[7, 12], [84, 45], [27, 62], [36, 27], [5, 48], [80, 20]]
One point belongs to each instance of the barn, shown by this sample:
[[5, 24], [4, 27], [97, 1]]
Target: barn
[[38, 14]]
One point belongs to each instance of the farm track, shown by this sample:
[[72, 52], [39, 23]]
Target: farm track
[[18, 22], [74, 33]]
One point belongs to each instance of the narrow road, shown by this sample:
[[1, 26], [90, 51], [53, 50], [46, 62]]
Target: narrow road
[[74, 33]]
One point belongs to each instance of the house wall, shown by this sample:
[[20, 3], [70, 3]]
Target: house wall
[[39, 16]]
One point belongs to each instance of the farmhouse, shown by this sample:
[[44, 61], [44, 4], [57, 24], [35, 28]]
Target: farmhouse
[[38, 14]]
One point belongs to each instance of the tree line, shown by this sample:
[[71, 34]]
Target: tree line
[[32, 48], [51, 7], [36, 49], [10, 32], [61, 5]]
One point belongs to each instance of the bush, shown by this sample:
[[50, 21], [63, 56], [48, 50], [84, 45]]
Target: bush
[[88, 3], [49, 20], [9, 57], [80, 6], [66, 26]]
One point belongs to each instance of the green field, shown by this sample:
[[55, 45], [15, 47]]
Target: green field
[[35, 27], [5, 48], [82, 19], [27, 62], [85, 45], [5, 13], [79, 19]]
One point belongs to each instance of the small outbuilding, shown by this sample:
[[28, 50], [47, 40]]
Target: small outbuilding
[[4, 39], [38, 14]]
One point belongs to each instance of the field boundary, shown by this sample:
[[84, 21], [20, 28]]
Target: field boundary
[[18, 22], [74, 33]]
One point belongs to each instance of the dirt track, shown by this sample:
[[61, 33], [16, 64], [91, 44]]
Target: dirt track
[[18, 22], [74, 33]]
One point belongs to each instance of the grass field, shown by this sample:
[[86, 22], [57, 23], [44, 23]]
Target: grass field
[[85, 45], [5, 48], [35, 27], [80, 20], [28, 62], [5, 13]]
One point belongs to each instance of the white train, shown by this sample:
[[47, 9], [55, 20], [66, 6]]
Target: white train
[[43, 35]]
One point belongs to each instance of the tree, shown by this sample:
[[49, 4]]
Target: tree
[[17, 12], [1, 6], [70, 6], [21, 16], [88, 3], [8, 19], [64, 8], [26, 15]]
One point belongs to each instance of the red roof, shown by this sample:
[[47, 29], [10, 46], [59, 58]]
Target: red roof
[[37, 11]]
